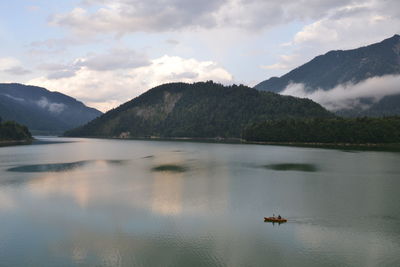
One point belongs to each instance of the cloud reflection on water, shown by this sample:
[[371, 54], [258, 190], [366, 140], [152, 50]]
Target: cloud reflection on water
[[62, 167]]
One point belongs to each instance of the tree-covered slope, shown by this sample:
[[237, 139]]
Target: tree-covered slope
[[326, 130], [203, 110], [342, 66], [41, 110], [12, 131]]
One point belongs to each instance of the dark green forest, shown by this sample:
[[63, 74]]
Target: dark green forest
[[199, 110], [12, 131], [330, 130]]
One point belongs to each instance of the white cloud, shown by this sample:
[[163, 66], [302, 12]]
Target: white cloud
[[61, 74], [12, 66], [17, 70], [14, 98], [55, 108], [347, 96], [348, 32], [287, 62], [276, 66], [8, 62], [105, 89], [123, 16], [126, 16], [114, 60], [349, 26]]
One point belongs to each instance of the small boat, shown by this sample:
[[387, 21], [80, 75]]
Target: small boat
[[274, 220]]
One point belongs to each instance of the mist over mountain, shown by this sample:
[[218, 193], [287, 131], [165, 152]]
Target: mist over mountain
[[42, 111], [351, 82], [199, 110]]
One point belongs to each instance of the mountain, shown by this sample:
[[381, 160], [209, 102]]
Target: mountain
[[199, 110], [42, 111], [340, 67]]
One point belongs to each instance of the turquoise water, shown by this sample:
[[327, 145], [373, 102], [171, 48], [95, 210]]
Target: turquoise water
[[91, 202]]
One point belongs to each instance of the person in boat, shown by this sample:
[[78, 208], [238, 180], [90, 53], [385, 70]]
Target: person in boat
[[273, 216], [279, 217]]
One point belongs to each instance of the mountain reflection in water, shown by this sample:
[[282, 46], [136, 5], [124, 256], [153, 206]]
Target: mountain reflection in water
[[101, 203]]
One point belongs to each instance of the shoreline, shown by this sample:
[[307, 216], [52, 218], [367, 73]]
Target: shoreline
[[4, 143], [347, 146]]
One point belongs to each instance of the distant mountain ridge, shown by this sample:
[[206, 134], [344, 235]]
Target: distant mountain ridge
[[42, 111], [341, 67], [199, 110]]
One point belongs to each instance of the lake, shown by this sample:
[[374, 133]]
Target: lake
[[93, 202]]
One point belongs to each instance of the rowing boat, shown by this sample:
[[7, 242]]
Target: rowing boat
[[274, 220]]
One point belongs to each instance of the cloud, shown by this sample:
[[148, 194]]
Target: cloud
[[127, 16], [57, 46], [115, 59], [184, 75], [12, 66], [172, 42], [286, 63], [124, 16], [8, 62], [55, 108], [14, 98], [347, 96], [105, 89], [17, 70], [359, 23], [52, 66], [61, 74], [59, 71], [348, 26]]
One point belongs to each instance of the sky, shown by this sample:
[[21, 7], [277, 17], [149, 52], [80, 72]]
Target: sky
[[106, 52]]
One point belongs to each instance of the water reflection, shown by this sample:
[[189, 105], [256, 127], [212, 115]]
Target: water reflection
[[169, 168], [56, 167], [75, 186], [370, 247], [167, 184], [167, 193], [62, 167], [121, 212], [304, 167], [7, 201]]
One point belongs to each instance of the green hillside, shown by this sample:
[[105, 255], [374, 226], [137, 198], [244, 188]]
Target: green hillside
[[199, 110], [331, 130], [12, 131]]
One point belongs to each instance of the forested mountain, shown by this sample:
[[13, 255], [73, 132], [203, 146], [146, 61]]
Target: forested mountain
[[343, 67], [204, 110], [42, 111], [327, 130]]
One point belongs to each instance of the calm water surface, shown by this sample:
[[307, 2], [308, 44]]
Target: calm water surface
[[95, 202]]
